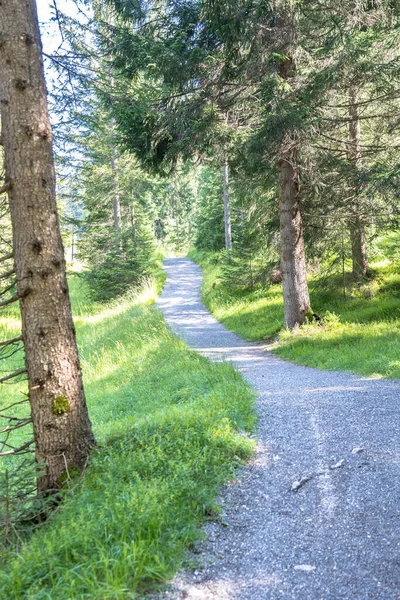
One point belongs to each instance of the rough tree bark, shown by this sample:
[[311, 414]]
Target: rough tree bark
[[296, 298], [227, 208], [357, 229], [62, 428]]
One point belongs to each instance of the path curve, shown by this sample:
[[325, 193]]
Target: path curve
[[338, 536]]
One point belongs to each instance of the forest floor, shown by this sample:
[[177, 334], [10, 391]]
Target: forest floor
[[315, 515], [360, 331]]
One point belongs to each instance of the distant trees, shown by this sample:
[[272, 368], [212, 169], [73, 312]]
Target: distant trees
[[125, 212], [284, 99], [303, 86], [116, 236], [210, 42], [210, 234], [62, 430]]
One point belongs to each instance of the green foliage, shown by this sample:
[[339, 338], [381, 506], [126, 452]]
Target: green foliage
[[245, 267], [170, 428], [111, 272], [181, 80], [254, 314], [21, 508], [118, 253], [210, 234], [254, 258], [210, 92], [178, 207], [360, 332]]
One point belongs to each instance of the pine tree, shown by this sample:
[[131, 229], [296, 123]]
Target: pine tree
[[61, 424]]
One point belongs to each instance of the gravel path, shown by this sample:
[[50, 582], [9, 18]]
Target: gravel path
[[337, 435]]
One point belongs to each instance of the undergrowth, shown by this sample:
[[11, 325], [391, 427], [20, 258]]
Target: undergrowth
[[170, 428], [360, 331]]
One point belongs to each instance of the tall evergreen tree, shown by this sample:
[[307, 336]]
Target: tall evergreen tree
[[61, 424]]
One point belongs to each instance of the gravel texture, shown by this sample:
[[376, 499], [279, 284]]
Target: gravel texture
[[316, 515]]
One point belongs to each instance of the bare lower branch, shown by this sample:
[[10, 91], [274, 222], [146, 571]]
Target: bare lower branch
[[6, 257], [21, 423], [11, 352], [7, 274], [7, 289], [5, 188], [20, 449], [12, 341], [9, 301], [12, 375], [10, 406]]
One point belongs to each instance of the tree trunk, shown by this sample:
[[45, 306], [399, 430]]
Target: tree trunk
[[357, 230], [296, 299], [114, 173], [227, 208], [61, 424], [293, 264], [133, 225], [72, 243], [116, 197]]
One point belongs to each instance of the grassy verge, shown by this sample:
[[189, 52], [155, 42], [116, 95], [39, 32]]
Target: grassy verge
[[170, 429], [360, 332], [253, 314]]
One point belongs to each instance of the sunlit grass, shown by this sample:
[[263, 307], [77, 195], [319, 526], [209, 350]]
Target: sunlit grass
[[254, 315], [360, 330], [371, 349], [170, 430]]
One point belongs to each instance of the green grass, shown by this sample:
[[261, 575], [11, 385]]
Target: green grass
[[171, 428], [254, 315], [360, 332]]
